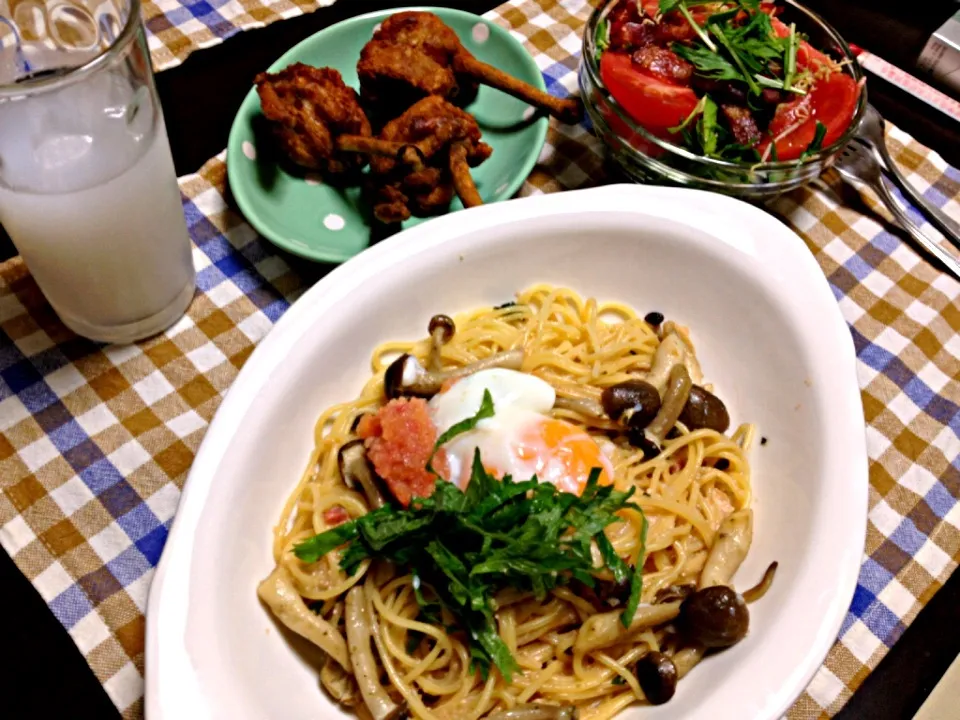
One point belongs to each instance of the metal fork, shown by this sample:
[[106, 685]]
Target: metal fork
[[871, 130], [858, 166]]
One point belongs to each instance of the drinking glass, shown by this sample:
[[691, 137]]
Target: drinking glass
[[88, 193]]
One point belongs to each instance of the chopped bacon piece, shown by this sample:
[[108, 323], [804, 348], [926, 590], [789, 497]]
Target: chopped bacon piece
[[399, 441], [628, 31], [742, 124], [663, 64], [673, 29], [632, 36], [624, 12], [626, 27], [337, 515]]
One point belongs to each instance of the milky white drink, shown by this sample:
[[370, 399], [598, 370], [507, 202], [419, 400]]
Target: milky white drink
[[89, 196]]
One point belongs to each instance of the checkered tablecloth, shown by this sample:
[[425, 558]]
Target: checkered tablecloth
[[175, 28], [96, 441]]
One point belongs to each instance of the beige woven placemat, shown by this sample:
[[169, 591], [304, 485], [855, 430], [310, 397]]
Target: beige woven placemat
[[175, 28]]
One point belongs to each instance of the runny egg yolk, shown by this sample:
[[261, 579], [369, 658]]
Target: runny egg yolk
[[520, 440], [562, 454]]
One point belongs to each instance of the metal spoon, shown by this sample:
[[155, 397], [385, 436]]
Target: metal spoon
[[858, 166], [872, 130]]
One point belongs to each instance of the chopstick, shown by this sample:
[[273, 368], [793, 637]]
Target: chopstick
[[907, 82]]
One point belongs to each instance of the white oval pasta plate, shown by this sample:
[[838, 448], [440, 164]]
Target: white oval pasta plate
[[768, 334]]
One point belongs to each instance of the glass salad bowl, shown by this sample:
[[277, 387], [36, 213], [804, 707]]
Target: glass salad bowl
[[646, 158]]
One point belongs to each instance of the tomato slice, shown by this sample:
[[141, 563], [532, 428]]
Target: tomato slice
[[832, 101], [808, 57], [652, 103], [630, 137], [650, 7]]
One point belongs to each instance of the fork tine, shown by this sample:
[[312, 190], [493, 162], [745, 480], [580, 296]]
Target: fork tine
[[858, 167]]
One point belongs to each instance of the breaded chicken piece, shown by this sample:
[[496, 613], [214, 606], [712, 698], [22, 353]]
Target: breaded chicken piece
[[309, 108], [435, 126], [414, 54]]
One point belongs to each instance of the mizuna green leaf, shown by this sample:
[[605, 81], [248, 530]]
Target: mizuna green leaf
[[464, 547]]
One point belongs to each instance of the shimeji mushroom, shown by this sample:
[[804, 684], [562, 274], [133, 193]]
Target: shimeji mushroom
[[650, 407], [590, 409], [441, 329], [730, 547], [634, 402], [604, 629], [650, 439], [407, 376], [704, 410], [716, 615], [657, 676], [357, 622], [356, 472], [281, 596]]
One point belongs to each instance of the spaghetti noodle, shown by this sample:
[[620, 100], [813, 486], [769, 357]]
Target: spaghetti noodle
[[694, 491]]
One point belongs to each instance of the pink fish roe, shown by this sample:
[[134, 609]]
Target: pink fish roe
[[399, 441]]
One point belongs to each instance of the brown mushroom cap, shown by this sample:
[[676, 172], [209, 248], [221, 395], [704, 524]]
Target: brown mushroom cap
[[441, 329], [715, 617], [705, 410], [638, 439], [636, 402], [657, 676], [442, 326]]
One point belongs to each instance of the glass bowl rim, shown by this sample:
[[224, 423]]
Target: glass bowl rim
[[589, 62]]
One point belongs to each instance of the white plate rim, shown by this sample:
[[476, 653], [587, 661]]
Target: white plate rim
[[167, 590]]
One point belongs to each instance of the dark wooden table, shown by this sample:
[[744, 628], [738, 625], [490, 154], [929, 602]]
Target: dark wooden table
[[45, 675]]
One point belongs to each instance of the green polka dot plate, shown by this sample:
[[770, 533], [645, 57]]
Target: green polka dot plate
[[303, 215]]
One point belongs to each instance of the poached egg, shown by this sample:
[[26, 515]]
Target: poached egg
[[520, 439]]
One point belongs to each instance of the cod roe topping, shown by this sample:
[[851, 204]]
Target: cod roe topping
[[400, 440]]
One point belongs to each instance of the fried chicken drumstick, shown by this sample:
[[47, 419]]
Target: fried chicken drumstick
[[319, 123], [450, 141], [414, 54]]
